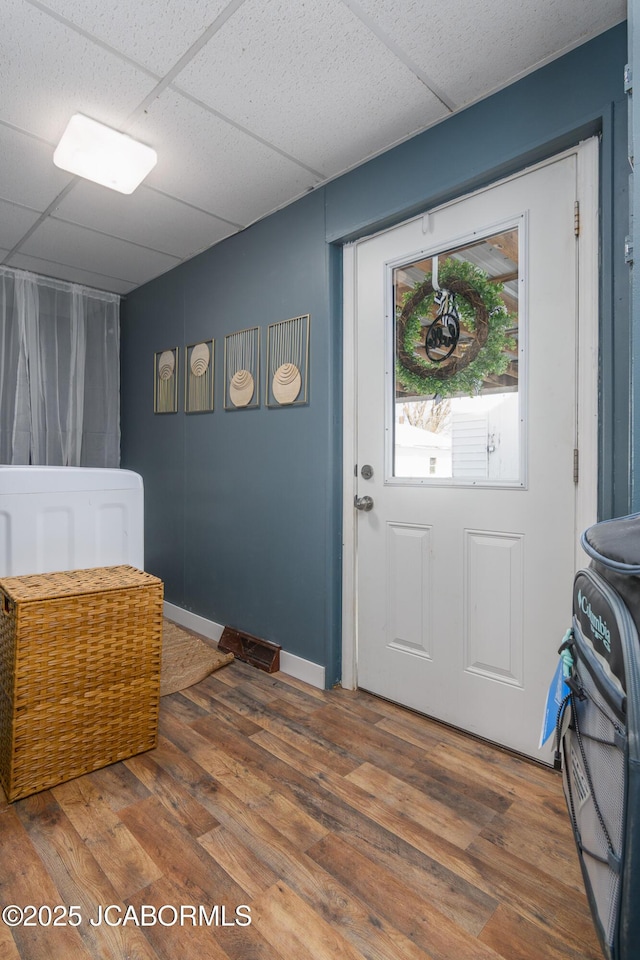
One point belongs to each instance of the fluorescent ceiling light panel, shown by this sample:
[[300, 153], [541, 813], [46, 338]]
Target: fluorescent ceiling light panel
[[98, 153]]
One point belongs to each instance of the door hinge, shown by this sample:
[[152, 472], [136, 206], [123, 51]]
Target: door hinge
[[628, 250], [628, 85], [576, 218], [576, 463]]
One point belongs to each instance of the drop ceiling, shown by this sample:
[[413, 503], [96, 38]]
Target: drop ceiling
[[249, 104]]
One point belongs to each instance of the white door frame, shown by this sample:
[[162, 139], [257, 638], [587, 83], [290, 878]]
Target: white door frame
[[586, 385]]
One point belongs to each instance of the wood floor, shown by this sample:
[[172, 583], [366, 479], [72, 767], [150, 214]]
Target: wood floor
[[351, 828]]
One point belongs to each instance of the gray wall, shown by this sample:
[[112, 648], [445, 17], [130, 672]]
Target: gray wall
[[243, 508]]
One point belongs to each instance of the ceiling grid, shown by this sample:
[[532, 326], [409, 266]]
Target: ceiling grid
[[249, 104]]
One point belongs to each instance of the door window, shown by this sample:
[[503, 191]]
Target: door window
[[457, 404]]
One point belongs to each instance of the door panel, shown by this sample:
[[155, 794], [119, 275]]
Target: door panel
[[465, 562], [409, 588], [493, 595]]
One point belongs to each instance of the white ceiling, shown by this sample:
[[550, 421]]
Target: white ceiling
[[249, 104]]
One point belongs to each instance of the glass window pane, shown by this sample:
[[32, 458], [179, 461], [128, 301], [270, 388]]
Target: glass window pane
[[457, 401]]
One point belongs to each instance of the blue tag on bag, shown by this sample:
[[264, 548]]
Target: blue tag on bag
[[558, 689]]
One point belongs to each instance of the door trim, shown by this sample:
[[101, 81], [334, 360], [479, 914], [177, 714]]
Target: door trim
[[587, 155]]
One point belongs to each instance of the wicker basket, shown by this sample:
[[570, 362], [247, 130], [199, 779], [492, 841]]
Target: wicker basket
[[80, 657]]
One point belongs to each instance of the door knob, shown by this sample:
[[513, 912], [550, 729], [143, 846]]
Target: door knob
[[363, 503]]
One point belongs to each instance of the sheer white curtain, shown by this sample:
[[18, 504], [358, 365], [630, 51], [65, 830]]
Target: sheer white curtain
[[59, 372]]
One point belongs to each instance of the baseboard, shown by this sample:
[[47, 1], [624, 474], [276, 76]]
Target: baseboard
[[312, 673], [207, 628], [292, 665]]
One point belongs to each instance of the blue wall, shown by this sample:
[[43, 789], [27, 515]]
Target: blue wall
[[243, 508]]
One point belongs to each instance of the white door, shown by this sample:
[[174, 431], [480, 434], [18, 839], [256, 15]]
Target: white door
[[465, 560]]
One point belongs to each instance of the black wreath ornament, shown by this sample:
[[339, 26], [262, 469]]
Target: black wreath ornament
[[482, 312]]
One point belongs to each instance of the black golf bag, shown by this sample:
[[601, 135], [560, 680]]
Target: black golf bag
[[598, 732]]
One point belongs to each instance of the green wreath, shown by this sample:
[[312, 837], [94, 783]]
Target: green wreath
[[481, 311]]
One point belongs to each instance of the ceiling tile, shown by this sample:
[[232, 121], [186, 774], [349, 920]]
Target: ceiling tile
[[469, 56], [62, 271], [133, 28], [14, 223], [87, 250], [213, 165], [27, 172], [53, 72], [285, 95], [313, 80], [145, 217]]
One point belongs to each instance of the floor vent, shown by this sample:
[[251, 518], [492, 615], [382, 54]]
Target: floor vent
[[259, 653]]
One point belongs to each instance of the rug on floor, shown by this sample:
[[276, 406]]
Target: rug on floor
[[186, 659]]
